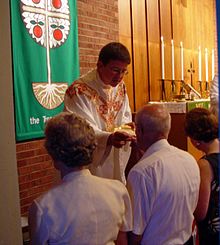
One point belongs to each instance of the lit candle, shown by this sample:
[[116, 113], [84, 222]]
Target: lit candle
[[181, 61], [206, 65], [200, 64], [172, 55], [213, 63], [162, 59]]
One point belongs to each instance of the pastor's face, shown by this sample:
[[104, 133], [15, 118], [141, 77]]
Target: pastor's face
[[113, 72]]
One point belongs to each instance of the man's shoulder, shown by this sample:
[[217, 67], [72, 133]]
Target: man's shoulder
[[160, 156], [144, 165], [182, 152]]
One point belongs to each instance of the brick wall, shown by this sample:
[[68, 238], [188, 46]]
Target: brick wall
[[97, 25], [35, 170]]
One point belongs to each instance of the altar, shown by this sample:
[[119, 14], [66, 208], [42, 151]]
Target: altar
[[178, 112]]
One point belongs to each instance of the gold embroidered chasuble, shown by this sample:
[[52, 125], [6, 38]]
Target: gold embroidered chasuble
[[105, 108]]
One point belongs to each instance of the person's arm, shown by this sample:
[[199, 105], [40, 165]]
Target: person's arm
[[206, 177], [134, 239]]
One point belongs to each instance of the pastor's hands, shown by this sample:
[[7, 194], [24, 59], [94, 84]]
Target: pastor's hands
[[131, 125], [119, 139]]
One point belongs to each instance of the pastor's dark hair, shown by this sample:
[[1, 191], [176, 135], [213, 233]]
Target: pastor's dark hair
[[114, 51]]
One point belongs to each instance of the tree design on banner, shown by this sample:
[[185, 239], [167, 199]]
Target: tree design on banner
[[48, 23]]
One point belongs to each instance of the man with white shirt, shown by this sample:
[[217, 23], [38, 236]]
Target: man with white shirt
[[100, 97], [163, 185]]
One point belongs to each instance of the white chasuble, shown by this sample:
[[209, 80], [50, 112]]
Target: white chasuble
[[105, 108]]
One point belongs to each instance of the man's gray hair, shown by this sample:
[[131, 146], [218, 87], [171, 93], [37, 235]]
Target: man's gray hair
[[155, 118]]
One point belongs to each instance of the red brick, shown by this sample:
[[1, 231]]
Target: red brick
[[29, 145], [37, 175], [25, 154], [24, 194], [22, 162], [24, 170], [26, 186], [24, 178]]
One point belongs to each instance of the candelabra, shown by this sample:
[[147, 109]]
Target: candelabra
[[173, 89], [186, 91], [163, 90]]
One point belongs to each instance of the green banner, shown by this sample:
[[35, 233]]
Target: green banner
[[45, 60]]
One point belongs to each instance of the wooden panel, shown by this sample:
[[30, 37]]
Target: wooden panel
[[196, 17], [197, 40], [154, 50], [166, 32], [210, 32], [124, 18], [178, 138], [154, 71], [177, 135], [129, 77], [196, 21], [140, 53], [125, 38], [153, 21], [204, 33], [193, 24], [165, 17], [215, 37], [182, 32], [182, 22]]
